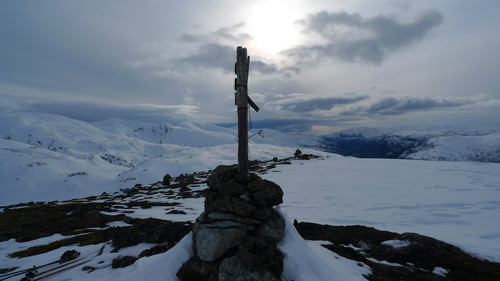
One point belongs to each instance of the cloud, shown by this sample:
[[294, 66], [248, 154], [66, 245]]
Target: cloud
[[286, 125], [211, 55], [139, 112], [91, 111], [387, 112], [262, 67], [217, 50], [396, 106], [300, 103], [304, 112], [191, 38], [232, 34], [223, 57], [400, 106], [353, 38]]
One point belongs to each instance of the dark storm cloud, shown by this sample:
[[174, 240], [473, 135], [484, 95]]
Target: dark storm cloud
[[353, 38], [303, 104], [218, 56]]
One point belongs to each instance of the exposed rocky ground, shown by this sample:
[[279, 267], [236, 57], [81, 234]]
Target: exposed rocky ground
[[408, 256], [115, 219]]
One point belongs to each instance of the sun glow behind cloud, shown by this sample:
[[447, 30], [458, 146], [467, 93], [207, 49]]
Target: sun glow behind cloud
[[400, 56], [272, 26]]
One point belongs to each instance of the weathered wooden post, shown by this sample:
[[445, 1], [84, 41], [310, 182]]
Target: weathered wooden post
[[242, 100]]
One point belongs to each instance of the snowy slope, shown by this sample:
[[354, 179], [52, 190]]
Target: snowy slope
[[71, 158], [47, 157], [473, 144], [482, 148], [457, 202]]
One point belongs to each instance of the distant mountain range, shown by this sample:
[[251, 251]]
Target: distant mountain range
[[448, 145], [78, 158]]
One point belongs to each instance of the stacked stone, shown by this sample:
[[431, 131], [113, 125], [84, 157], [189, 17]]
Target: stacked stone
[[236, 237]]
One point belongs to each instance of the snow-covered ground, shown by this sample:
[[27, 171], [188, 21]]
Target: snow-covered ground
[[76, 159], [484, 148], [457, 202]]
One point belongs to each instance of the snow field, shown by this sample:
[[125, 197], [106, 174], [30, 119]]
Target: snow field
[[46, 158], [456, 202]]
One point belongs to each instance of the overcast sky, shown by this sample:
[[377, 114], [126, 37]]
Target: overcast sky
[[316, 66]]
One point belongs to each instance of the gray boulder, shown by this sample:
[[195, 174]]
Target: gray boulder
[[220, 216], [273, 228], [260, 255], [196, 270], [222, 174], [221, 203], [268, 193], [232, 269], [231, 187], [211, 242]]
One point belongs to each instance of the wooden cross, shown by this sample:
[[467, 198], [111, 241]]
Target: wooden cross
[[242, 101]]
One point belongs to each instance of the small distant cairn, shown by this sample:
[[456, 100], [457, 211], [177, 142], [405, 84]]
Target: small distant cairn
[[236, 237]]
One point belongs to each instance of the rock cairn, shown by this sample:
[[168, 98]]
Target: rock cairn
[[236, 237]]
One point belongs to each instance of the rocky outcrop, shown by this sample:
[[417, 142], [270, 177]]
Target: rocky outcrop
[[404, 257], [235, 237]]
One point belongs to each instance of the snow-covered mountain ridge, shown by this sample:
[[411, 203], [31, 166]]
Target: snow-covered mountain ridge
[[47, 157], [484, 148], [78, 158], [437, 145]]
